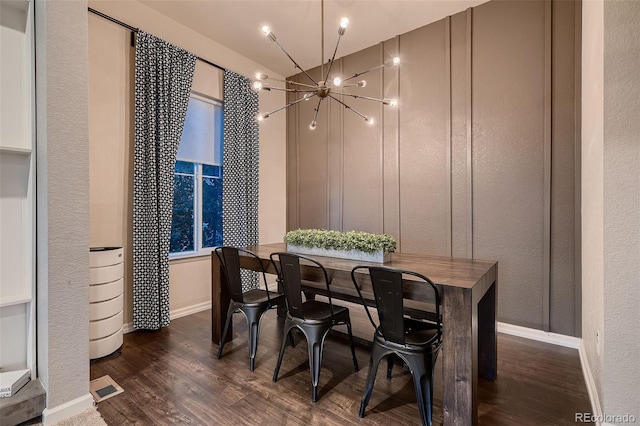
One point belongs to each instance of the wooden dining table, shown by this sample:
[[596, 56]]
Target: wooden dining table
[[468, 289]]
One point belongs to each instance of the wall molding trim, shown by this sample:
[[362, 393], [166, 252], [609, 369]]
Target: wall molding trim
[[540, 335], [591, 384], [66, 410], [175, 314]]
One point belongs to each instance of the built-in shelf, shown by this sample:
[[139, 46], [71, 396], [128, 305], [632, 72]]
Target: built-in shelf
[[15, 300], [15, 150], [17, 190]]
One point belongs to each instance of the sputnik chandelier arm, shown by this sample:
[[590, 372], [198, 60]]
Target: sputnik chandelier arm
[[257, 85], [260, 76], [385, 101], [267, 31], [266, 115], [394, 61], [367, 119], [322, 89], [315, 116]]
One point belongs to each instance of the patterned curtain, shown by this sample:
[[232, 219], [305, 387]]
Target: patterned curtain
[[241, 157], [163, 77]]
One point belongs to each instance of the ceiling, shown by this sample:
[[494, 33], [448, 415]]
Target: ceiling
[[236, 24]]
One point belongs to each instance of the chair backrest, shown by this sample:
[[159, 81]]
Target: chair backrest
[[229, 258], [290, 276], [388, 291]]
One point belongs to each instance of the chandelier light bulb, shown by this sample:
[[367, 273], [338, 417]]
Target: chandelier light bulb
[[337, 81], [394, 61], [369, 121], [266, 30], [260, 76], [392, 102], [307, 96], [257, 85], [344, 23], [362, 83], [312, 126]]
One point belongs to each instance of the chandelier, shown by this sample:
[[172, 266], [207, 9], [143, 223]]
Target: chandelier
[[321, 89]]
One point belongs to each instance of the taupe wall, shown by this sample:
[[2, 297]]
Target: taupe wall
[[478, 161]]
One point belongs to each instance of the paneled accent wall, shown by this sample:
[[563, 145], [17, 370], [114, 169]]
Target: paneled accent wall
[[479, 160]]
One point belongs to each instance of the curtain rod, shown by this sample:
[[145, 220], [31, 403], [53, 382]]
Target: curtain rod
[[135, 30]]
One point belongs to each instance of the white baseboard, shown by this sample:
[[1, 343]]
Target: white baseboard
[[51, 416], [539, 335], [193, 309], [591, 384], [127, 328], [178, 313]]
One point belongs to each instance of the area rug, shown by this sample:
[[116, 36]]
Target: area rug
[[89, 417]]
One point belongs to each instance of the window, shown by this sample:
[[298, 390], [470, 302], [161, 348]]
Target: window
[[197, 190]]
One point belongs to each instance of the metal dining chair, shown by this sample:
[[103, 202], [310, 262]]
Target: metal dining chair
[[252, 303], [416, 342], [314, 318]]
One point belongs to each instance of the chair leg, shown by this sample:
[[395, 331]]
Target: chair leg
[[376, 355], [287, 330], [226, 329], [353, 351], [390, 361], [432, 368], [315, 342], [422, 384], [253, 330]]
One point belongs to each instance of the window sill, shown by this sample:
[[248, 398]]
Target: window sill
[[190, 255]]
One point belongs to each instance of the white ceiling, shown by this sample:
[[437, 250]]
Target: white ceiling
[[296, 23]]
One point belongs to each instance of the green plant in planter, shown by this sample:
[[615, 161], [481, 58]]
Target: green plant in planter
[[336, 240]]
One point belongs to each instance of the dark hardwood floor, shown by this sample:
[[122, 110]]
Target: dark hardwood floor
[[173, 376]]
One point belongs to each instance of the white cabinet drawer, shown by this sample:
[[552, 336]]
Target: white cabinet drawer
[[102, 292], [106, 274], [103, 347], [105, 256], [106, 309], [106, 327]]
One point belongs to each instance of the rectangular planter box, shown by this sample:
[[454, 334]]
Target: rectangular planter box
[[378, 257]]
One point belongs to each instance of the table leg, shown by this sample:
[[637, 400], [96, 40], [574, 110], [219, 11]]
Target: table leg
[[220, 299], [459, 364], [488, 335]]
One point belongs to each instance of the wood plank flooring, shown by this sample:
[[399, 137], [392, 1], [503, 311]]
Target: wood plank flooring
[[172, 376]]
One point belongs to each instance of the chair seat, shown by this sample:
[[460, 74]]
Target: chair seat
[[315, 311], [416, 340], [258, 297], [419, 332]]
